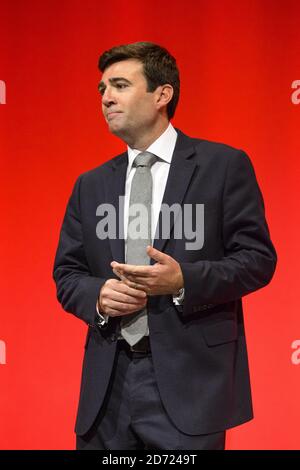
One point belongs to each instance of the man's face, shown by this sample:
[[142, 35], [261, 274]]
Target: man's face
[[127, 106]]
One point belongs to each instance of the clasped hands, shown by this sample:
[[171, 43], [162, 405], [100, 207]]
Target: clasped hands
[[129, 294]]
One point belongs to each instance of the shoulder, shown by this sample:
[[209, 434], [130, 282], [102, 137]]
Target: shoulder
[[211, 151], [209, 147], [103, 170]]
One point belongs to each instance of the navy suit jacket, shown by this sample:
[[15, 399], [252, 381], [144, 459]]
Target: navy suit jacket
[[199, 350]]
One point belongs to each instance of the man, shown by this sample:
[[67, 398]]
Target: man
[[165, 363]]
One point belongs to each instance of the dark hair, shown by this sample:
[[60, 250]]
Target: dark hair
[[158, 65]]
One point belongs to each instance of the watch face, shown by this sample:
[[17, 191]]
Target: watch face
[[101, 322]]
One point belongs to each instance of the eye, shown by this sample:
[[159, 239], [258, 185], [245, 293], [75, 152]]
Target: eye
[[121, 85]]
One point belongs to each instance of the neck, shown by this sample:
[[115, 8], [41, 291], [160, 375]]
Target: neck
[[144, 140]]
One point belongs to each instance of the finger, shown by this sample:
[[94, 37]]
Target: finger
[[117, 273], [129, 289], [123, 307], [138, 287], [139, 281], [133, 269], [126, 299], [157, 255], [134, 280]]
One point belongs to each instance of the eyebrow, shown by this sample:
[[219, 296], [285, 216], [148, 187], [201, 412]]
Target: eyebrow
[[113, 81]]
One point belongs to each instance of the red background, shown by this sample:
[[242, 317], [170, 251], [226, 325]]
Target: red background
[[237, 63]]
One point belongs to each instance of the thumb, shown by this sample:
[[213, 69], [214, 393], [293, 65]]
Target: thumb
[[157, 255]]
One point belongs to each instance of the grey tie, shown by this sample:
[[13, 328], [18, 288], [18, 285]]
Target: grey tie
[[135, 326]]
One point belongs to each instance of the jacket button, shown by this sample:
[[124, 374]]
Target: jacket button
[[114, 337]]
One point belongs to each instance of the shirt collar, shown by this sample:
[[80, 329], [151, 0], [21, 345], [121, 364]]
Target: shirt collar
[[162, 147]]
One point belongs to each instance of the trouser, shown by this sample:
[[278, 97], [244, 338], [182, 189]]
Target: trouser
[[132, 415]]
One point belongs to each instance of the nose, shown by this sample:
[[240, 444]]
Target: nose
[[108, 97]]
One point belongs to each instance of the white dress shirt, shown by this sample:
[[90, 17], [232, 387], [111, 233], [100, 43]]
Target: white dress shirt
[[163, 148]]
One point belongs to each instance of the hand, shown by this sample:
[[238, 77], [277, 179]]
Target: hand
[[164, 277], [118, 299]]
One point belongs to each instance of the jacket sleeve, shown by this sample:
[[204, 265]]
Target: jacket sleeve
[[249, 259], [77, 289]]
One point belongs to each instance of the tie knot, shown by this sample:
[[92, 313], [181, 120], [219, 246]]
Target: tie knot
[[145, 159]]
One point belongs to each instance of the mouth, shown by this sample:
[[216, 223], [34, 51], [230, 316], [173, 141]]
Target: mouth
[[111, 115]]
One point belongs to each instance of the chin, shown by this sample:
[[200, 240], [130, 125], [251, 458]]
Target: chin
[[113, 127], [117, 131]]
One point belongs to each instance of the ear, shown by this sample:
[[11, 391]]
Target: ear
[[164, 95]]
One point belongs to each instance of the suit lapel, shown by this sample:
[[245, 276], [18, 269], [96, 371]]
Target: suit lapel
[[180, 174], [115, 187]]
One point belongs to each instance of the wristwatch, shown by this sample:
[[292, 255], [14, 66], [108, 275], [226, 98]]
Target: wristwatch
[[179, 297], [101, 320]]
